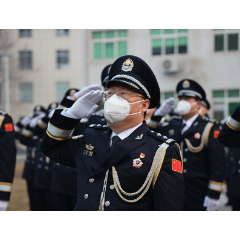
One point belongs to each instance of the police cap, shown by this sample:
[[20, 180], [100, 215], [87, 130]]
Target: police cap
[[205, 103], [190, 88], [104, 75], [133, 71], [39, 110], [71, 91], [51, 106]]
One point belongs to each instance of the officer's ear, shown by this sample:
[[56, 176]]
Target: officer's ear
[[145, 105]]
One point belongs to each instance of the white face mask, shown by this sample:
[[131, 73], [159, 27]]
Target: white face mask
[[184, 107], [116, 108]]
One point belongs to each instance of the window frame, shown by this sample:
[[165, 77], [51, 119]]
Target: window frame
[[163, 36], [32, 96], [61, 35], [57, 64], [24, 34], [104, 40], [225, 33], [21, 64]]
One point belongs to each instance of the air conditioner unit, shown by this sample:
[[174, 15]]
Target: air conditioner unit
[[170, 66]]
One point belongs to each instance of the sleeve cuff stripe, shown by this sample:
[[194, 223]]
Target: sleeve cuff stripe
[[57, 132], [26, 133], [5, 188], [233, 124], [56, 138], [214, 187]]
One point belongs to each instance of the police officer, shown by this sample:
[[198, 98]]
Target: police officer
[[203, 155], [230, 133], [7, 158], [205, 107], [27, 140], [124, 166]]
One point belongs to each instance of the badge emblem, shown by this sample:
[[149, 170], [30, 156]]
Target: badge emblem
[[38, 108], [139, 137], [142, 155], [197, 135], [89, 147], [137, 163], [54, 105], [72, 92], [127, 65], [186, 84]]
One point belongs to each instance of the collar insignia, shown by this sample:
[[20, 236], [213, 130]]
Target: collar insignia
[[139, 137], [195, 124]]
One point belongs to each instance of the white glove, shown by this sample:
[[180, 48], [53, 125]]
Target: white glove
[[26, 120], [34, 121], [3, 205], [85, 106], [87, 89], [51, 113], [165, 108], [211, 203]]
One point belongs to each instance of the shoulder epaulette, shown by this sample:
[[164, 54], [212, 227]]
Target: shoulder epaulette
[[2, 112], [164, 124], [210, 120], [98, 126], [161, 137]]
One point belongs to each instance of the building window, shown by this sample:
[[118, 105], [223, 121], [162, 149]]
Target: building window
[[26, 92], [62, 32], [169, 41], [166, 95], [109, 44], [25, 60], [225, 102], [226, 39], [25, 33], [63, 59], [62, 87]]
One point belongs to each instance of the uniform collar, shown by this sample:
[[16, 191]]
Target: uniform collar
[[125, 133], [190, 121]]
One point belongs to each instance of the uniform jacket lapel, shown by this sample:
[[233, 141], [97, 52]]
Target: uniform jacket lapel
[[121, 149]]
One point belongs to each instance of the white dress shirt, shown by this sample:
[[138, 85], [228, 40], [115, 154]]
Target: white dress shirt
[[124, 134], [189, 123]]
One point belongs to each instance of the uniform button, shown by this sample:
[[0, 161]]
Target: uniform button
[[112, 187], [238, 170], [91, 180], [184, 159], [41, 159], [46, 167], [231, 158], [107, 203], [39, 166], [186, 149], [32, 162], [58, 164], [239, 162], [184, 170], [86, 196]]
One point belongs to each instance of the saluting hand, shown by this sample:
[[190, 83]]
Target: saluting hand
[[165, 108], [85, 106], [87, 89]]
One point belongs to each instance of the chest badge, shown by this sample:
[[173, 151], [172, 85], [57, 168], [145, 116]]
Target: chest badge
[[197, 135], [137, 163], [171, 132], [89, 147]]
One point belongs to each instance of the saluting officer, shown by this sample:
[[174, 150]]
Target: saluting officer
[[126, 166], [230, 133], [8, 153], [203, 155]]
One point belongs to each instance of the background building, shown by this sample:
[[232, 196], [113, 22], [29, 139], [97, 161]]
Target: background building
[[45, 63]]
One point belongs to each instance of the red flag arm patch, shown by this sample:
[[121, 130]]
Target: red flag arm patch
[[176, 166], [8, 127], [216, 133]]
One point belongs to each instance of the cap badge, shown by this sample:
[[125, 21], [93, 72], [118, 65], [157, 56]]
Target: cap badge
[[186, 84], [38, 108], [127, 65], [72, 92], [89, 147], [54, 105], [137, 163]]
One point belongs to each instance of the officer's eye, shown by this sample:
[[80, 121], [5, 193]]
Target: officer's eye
[[110, 93], [123, 94]]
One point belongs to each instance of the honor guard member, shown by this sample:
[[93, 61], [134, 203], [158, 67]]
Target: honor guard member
[[8, 153], [27, 140], [205, 106], [124, 166], [203, 155], [230, 133], [44, 197]]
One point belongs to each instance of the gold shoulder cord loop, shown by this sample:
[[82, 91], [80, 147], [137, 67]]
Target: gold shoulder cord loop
[[204, 141], [150, 179]]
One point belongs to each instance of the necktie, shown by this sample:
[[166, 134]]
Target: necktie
[[115, 139], [182, 126]]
